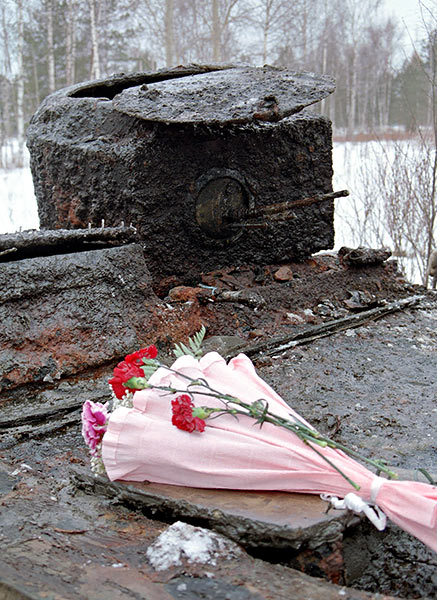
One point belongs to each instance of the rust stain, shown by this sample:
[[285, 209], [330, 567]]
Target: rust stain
[[326, 561]]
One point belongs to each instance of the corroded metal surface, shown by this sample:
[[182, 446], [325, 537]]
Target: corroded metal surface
[[75, 545], [33, 242], [108, 87], [62, 314], [58, 543], [238, 95], [254, 519], [187, 186]]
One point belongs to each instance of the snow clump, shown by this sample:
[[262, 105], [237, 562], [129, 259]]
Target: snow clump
[[185, 543]]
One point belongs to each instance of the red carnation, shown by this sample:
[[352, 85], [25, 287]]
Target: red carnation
[[137, 357], [182, 408], [122, 373]]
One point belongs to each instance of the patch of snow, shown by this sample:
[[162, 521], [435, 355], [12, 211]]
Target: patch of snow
[[183, 542], [295, 317], [355, 169], [22, 469], [18, 208]]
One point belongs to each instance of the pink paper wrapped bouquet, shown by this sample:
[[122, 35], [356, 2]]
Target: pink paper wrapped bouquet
[[206, 423]]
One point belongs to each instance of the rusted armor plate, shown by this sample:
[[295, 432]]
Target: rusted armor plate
[[110, 86], [236, 95], [257, 517]]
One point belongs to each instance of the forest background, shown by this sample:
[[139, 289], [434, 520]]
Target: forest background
[[383, 94]]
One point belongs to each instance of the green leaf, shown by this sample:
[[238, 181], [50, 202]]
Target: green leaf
[[149, 366], [195, 344]]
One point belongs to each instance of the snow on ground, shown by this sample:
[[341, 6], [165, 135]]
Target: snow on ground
[[18, 207], [18, 204], [182, 542], [351, 160], [381, 175]]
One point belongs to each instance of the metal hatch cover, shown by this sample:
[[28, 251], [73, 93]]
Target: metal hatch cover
[[235, 95]]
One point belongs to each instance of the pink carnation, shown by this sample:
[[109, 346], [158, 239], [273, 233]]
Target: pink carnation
[[94, 418]]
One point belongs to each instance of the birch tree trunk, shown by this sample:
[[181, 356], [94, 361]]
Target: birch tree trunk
[[70, 43], [5, 124], [50, 47], [169, 32], [20, 73], [351, 109], [35, 80], [304, 33], [324, 55], [266, 28], [215, 32], [5, 38], [5, 87], [432, 228], [387, 96], [364, 99], [95, 61]]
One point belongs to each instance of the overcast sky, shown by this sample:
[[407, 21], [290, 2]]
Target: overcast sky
[[408, 11], [409, 14]]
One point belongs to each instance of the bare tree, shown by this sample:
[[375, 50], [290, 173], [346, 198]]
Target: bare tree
[[70, 42], [5, 84], [269, 17], [20, 71], [356, 17], [50, 46], [431, 271], [95, 61], [393, 201], [169, 32], [215, 31], [430, 23], [157, 19], [225, 14]]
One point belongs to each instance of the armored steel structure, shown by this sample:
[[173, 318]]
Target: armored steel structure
[[210, 164]]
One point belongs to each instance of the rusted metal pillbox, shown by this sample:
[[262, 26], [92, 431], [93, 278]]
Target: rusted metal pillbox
[[197, 158]]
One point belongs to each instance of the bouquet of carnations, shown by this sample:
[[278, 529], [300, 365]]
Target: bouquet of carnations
[[202, 422]]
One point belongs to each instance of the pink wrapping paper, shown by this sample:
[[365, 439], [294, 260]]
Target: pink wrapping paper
[[141, 444]]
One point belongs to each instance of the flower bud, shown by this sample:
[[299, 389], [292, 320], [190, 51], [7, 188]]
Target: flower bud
[[201, 412], [137, 383]]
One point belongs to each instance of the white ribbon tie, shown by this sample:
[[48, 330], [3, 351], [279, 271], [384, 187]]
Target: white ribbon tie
[[353, 502], [375, 487]]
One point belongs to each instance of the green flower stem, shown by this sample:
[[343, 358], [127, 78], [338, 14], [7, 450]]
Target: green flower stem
[[316, 437], [374, 463], [306, 434], [333, 465]]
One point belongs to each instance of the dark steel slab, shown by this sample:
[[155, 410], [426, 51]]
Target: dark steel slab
[[58, 543], [193, 151], [238, 95], [253, 519], [64, 313]]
